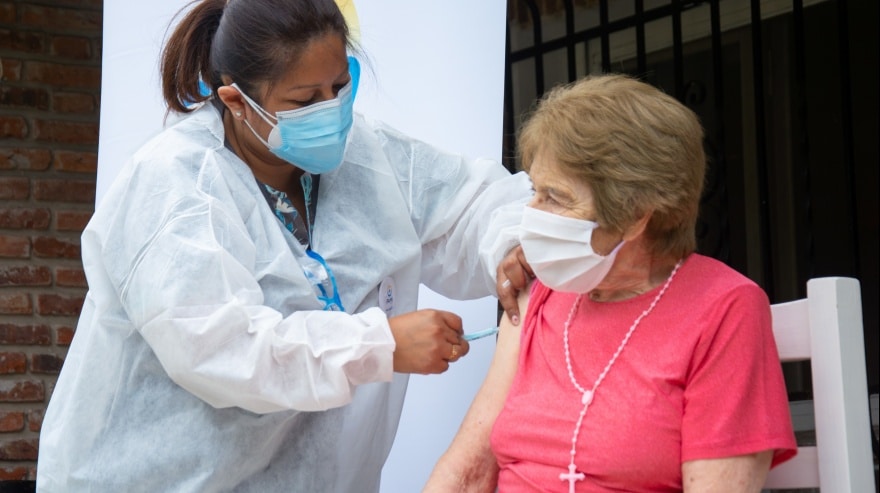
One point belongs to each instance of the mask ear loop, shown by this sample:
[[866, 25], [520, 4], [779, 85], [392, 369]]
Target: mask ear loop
[[354, 69], [260, 111], [616, 249], [613, 250]]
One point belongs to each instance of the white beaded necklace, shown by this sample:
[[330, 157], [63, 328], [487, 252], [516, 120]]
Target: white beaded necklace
[[587, 395]]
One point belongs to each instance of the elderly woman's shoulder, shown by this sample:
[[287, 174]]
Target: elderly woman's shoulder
[[708, 275]]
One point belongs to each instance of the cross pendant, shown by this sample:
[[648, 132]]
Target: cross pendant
[[571, 477]]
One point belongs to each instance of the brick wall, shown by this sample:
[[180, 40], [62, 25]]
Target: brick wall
[[50, 58]]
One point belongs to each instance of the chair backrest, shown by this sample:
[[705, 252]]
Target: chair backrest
[[826, 329]]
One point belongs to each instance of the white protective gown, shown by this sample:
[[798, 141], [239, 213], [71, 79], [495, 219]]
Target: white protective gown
[[203, 362]]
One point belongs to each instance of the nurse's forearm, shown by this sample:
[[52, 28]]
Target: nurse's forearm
[[248, 356]]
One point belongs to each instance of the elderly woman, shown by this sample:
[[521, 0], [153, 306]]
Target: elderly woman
[[639, 365]]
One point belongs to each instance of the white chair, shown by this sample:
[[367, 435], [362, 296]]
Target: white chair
[[826, 329]]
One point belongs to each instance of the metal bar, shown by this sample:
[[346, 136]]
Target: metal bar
[[641, 50], [761, 150], [801, 142], [846, 117], [537, 43], [569, 31], [605, 36], [595, 32], [677, 50], [508, 147], [720, 157], [804, 271]]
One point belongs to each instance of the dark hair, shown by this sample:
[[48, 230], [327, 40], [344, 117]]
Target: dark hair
[[250, 41]]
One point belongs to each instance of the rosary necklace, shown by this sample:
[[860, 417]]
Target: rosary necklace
[[587, 395]]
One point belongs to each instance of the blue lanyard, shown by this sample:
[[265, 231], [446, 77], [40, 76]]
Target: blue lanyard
[[314, 266]]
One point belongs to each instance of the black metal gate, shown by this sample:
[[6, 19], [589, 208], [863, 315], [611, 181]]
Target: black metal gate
[[787, 91]]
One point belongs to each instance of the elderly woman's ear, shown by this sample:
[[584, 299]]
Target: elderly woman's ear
[[638, 227]]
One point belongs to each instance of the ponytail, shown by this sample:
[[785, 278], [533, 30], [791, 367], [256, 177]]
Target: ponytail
[[186, 58]]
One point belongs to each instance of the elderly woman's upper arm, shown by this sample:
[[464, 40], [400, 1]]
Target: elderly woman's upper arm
[[738, 474], [469, 465]]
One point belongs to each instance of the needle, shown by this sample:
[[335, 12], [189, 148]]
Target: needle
[[480, 334]]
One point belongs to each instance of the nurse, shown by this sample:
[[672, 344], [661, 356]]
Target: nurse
[[254, 272]]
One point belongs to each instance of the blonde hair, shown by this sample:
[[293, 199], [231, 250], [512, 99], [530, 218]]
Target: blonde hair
[[637, 148]]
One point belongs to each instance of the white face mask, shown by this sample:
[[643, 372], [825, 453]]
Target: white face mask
[[559, 251]]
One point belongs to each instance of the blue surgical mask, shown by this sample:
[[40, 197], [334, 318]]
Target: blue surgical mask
[[312, 138]]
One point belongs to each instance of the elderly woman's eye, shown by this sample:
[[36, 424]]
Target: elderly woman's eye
[[555, 199]]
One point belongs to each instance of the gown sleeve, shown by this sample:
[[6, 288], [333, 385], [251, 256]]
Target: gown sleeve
[[465, 211]]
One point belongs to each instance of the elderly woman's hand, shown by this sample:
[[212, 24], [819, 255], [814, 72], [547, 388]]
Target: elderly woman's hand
[[513, 275]]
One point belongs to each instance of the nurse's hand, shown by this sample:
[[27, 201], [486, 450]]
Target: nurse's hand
[[512, 276], [427, 341]]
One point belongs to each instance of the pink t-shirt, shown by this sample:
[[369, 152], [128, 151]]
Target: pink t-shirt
[[700, 378]]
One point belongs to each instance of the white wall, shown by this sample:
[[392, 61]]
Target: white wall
[[434, 70], [440, 71]]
